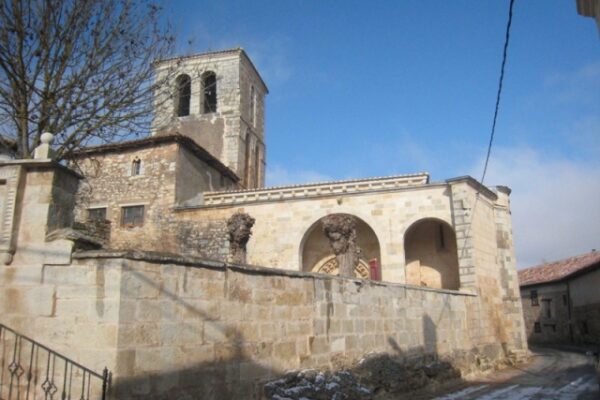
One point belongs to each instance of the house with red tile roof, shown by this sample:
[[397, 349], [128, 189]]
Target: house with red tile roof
[[561, 300]]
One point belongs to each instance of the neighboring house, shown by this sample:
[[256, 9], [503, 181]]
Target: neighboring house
[[561, 300]]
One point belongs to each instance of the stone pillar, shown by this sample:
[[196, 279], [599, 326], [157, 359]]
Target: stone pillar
[[239, 227], [40, 195], [509, 280], [10, 181], [340, 229], [463, 200]]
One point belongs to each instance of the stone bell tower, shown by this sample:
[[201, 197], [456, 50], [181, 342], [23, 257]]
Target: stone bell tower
[[218, 100]]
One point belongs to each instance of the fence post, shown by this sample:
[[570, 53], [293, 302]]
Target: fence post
[[104, 382]]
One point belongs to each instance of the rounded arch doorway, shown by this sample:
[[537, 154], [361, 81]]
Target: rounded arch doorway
[[431, 254], [316, 254]]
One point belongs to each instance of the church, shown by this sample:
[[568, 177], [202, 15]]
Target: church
[[126, 258], [206, 160]]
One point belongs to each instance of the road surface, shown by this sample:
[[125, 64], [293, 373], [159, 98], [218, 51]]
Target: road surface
[[551, 375]]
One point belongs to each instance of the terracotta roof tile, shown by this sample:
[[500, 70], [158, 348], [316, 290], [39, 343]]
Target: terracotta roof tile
[[558, 270]]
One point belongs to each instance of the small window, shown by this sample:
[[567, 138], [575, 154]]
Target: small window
[[256, 166], [96, 214], [534, 298], [136, 167], [209, 89], [132, 216], [584, 328], [184, 93], [537, 328], [252, 105], [547, 308]]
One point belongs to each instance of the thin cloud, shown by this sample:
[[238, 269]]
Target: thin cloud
[[279, 176], [555, 203], [579, 86]]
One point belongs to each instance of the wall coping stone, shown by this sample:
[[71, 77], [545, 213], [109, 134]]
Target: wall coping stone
[[313, 190], [198, 262], [480, 187], [40, 163]]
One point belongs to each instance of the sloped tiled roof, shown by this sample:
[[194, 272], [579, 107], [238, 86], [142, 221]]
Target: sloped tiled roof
[[559, 270]]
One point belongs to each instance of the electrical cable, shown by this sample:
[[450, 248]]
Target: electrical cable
[[504, 57]]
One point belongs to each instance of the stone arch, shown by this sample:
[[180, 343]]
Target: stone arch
[[183, 95], [431, 254], [316, 254]]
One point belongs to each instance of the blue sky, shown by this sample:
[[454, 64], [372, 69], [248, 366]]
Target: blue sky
[[361, 89]]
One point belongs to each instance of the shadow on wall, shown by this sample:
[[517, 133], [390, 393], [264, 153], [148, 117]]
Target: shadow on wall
[[232, 374], [396, 374], [228, 372]]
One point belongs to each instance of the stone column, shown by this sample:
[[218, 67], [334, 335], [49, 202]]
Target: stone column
[[340, 229], [239, 227]]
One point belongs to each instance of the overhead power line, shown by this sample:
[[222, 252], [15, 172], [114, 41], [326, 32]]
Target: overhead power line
[[498, 94]]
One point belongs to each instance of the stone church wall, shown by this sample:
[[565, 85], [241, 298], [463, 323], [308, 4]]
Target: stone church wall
[[169, 174], [286, 223], [110, 185]]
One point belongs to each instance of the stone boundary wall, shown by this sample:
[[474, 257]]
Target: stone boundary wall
[[169, 326], [190, 327]]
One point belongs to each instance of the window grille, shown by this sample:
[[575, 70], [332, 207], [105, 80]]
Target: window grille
[[132, 216], [97, 214], [534, 298], [136, 167]]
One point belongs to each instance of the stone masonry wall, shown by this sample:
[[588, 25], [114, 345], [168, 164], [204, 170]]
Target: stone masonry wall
[[280, 228], [550, 311], [109, 184], [218, 331], [170, 326]]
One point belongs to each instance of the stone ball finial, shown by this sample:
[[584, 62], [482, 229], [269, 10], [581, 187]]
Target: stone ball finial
[[47, 138]]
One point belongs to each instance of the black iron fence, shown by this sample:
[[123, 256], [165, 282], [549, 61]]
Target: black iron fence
[[30, 370]]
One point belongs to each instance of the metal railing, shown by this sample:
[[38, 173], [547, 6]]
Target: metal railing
[[30, 370]]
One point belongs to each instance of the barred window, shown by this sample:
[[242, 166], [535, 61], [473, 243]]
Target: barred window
[[96, 214], [534, 298], [136, 167], [132, 216], [537, 328]]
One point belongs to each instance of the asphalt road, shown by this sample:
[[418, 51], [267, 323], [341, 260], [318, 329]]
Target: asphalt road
[[552, 374]]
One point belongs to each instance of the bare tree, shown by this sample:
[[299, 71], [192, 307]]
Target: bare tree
[[81, 69]]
